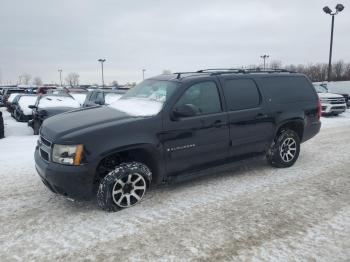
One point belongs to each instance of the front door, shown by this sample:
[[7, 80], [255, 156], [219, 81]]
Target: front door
[[193, 142]]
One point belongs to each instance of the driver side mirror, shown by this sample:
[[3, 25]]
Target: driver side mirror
[[187, 110]]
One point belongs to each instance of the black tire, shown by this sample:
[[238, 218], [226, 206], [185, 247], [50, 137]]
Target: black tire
[[280, 154], [111, 193], [36, 127]]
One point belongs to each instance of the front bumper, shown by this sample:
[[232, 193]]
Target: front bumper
[[71, 181], [333, 108]]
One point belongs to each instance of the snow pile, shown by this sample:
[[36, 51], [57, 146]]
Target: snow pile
[[336, 121], [25, 101], [58, 101], [111, 98], [138, 106], [80, 97], [12, 97], [14, 129]]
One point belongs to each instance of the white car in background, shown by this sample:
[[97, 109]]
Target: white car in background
[[332, 104]]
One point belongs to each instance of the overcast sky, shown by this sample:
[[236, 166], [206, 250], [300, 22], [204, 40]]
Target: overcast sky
[[39, 36]]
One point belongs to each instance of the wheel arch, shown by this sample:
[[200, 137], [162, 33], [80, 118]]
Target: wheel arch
[[147, 154], [295, 124]]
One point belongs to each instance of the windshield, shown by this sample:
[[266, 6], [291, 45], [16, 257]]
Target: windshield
[[321, 89], [145, 99]]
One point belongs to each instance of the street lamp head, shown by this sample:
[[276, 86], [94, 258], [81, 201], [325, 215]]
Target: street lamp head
[[327, 10], [102, 60], [339, 7]]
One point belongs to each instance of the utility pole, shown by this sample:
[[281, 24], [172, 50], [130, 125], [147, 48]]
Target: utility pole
[[327, 10], [60, 71], [143, 74], [264, 57], [102, 61]]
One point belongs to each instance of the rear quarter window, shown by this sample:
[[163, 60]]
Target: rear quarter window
[[287, 89]]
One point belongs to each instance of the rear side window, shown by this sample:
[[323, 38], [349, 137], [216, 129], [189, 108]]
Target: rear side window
[[287, 89], [241, 94]]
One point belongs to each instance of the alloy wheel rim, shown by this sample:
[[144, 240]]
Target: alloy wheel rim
[[288, 149], [129, 190]]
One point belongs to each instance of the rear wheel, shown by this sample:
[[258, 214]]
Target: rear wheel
[[123, 187], [285, 149]]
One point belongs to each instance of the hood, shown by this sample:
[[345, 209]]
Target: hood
[[51, 111], [78, 120], [329, 95]]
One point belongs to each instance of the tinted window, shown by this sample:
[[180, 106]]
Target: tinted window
[[286, 89], [241, 94], [204, 96]]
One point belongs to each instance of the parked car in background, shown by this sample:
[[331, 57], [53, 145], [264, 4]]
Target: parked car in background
[[10, 100], [331, 104], [49, 105], [8, 91], [340, 88], [102, 97], [21, 110], [42, 90], [11, 106]]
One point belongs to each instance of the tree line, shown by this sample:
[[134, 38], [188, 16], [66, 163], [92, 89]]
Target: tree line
[[318, 72]]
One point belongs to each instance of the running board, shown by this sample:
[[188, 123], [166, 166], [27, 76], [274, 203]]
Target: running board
[[228, 165]]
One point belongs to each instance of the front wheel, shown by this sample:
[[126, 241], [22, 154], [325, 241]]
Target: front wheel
[[123, 187], [285, 150]]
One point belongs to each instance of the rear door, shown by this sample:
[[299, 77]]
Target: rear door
[[198, 141], [250, 125]]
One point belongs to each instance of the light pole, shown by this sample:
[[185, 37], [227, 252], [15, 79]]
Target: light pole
[[264, 57], [143, 74], [327, 10], [102, 61], [60, 71]]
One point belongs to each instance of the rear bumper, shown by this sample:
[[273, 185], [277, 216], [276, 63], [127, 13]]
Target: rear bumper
[[311, 130], [71, 181]]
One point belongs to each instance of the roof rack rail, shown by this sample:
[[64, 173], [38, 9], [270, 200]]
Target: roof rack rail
[[219, 71]]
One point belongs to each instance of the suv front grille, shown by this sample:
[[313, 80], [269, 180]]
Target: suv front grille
[[45, 148], [45, 141], [44, 155], [334, 101]]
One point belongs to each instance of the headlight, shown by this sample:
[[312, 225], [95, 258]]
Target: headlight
[[67, 154]]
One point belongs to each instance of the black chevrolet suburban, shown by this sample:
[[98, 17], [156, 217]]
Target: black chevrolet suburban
[[172, 127]]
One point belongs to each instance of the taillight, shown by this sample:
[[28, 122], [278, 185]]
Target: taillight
[[319, 110]]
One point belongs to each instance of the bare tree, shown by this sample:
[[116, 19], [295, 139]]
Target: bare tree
[[166, 72], [24, 79], [37, 81], [115, 83], [73, 79], [338, 70], [347, 72], [275, 64]]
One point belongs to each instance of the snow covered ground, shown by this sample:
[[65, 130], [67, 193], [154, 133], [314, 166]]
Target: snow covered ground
[[252, 213]]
